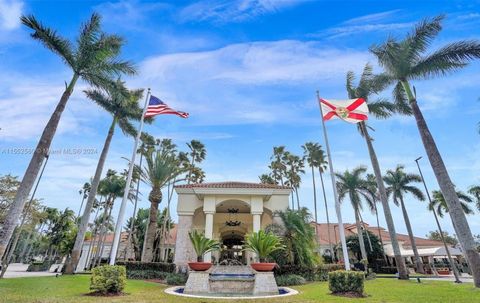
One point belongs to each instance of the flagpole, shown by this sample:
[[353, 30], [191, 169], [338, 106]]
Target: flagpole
[[121, 213], [338, 210]]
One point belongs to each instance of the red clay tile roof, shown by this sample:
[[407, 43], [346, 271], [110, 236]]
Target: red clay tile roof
[[233, 184], [350, 229]]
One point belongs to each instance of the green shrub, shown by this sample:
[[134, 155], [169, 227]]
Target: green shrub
[[290, 280], [108, 279], [341, 281], [176, 279]]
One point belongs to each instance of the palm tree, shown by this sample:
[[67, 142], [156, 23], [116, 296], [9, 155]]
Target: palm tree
[[380, 109], [84, 192], [112, 187], [93, 60], [277, 165], [310, 152], [406, 60], [298, 236], [197, 155], [353, 185], [440, 204], [162, 167], [122, 104], [475, 192], [294, 167], [400, 183]]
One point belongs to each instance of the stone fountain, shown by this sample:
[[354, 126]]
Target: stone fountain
[[231, 280]]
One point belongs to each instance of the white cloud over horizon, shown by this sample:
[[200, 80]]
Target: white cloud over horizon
[[10, 12]]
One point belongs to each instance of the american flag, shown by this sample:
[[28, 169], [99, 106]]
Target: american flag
[[157, 107]]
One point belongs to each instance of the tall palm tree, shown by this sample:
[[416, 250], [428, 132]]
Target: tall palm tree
[[406, 60], [94, 60], [122, 104], [277, 165], [112, 187], [441, 206], [162, 167], [315, 157], [197, 155], [400, 183], [84, 192], [310, 151], [475, 192], [351, 184], [380, 109], [294, 167]]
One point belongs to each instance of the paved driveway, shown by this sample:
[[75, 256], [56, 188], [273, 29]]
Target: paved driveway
[[18, 270]]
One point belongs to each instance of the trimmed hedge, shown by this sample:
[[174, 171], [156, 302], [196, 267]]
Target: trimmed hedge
[[154, 266], [290, 280], [176, 279], [146, 274], [314, 273], [108, 279], [341, 282]]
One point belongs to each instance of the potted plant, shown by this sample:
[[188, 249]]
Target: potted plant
[[263, 244], [201, 245]]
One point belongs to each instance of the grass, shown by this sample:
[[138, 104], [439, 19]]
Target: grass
[[73, 289]]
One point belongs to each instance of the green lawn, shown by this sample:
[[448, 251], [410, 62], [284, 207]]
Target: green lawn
[[73, 289]]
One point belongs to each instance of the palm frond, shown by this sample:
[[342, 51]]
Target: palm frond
[[50, 39], [446, 60], [401, 101], [421, 37], [381, 108]]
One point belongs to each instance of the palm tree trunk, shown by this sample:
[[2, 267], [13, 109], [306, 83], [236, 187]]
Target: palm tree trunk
[[16, 209], [402, 269], [418, 261], [366, 233], [82, 228], [459, 221], [326, 212], [361, 242], [147, 254], [298, 200], [314, 199], [132, 224], [92, 242], [103, 229], [81, 206], [379, 233]]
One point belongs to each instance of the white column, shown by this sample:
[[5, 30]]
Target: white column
[[183, 247], [257, 222], [208, 234]]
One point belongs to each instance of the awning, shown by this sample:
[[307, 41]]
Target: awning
[[426, 252]]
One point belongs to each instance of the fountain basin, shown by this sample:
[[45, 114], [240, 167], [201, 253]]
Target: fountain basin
[[282, 292]]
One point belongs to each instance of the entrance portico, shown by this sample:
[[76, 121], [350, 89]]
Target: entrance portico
[[227, 212]]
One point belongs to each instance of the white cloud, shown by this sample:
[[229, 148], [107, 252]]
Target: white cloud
[[10, 12], [232, 11], [234, 84], [378, 22]]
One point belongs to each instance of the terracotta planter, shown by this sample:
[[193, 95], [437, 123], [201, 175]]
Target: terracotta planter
[[263, 266], [199, 266]]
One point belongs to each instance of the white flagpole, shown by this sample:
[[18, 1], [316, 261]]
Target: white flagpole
[[335, 193], [121, 213]]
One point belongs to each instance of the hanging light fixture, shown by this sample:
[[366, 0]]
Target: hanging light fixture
[[232, 214]]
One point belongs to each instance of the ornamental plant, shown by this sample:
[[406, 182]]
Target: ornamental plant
[[108, 279], [202, 244], [263, 244], [346, 282]]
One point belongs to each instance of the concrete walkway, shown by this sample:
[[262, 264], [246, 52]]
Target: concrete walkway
[[19, 270]]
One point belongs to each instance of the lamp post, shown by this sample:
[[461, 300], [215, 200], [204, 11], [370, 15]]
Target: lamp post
[[454, 268]]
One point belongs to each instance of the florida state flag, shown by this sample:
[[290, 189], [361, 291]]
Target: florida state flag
[[352, 111]]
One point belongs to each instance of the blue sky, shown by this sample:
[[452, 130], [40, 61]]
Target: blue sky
[[247, 72]]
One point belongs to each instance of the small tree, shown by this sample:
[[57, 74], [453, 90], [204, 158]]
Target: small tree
[[263, 244], [202, 244]]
